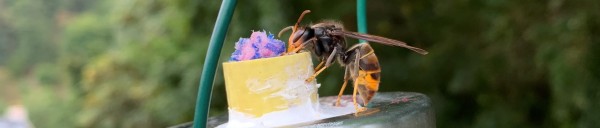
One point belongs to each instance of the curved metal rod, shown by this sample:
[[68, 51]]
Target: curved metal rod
[[211, 62]]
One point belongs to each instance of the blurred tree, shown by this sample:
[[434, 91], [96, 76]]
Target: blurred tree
[[33, 26]]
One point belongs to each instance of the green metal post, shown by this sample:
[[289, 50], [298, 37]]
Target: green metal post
[[361, 16], [211, 62]]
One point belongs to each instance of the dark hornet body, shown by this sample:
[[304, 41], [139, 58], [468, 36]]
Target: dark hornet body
[[323, 42], [327, 44], [327, 41]]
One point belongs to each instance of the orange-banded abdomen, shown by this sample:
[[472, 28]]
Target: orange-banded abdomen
[[368, 74]]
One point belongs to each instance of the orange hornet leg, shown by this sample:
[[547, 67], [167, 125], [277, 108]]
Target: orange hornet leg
[[327, 64], [311, 78], [319, 66], [337, 103], [358, 109], [295, 50]]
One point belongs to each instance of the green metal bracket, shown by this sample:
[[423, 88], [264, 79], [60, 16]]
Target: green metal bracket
[[211, 62], [361, 17]]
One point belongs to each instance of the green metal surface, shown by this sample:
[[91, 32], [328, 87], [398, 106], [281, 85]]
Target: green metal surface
[[361, 17], [386, 110], [211, 62]]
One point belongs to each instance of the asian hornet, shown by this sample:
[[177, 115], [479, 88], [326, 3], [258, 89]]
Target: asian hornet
[[328, 43]]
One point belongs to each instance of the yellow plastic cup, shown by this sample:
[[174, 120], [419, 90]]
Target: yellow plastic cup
[[275, 85]]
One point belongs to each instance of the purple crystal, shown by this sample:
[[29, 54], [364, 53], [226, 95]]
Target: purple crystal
[[259, 45]]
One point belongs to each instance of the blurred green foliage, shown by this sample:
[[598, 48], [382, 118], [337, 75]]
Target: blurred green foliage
[[136, 63]]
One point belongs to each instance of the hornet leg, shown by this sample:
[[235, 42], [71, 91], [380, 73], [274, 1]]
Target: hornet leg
[[346, 77], [327, 64]]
